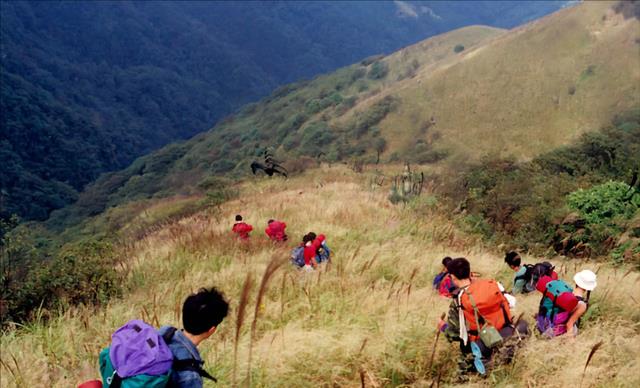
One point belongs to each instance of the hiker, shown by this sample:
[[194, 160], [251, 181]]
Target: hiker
[[585, 283], [275, 230], [442, 282], [527, 275], [201, 314], [241, 228], [479, 318], [141, 356], [316, 249], [561, 307]]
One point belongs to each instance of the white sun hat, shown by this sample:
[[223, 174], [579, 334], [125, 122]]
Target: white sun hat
[[586, 279]]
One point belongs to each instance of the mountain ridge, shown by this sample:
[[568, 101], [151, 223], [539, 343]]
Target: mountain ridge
[[354, 111]]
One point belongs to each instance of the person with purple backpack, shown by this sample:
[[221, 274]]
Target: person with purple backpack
[[140, 356]]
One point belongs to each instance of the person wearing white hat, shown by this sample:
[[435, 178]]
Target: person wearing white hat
[[585, 283]]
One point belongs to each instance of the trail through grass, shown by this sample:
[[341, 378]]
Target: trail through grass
[[368, 316]]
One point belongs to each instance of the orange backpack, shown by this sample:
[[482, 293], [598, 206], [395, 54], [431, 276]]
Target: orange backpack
[[493, 307]]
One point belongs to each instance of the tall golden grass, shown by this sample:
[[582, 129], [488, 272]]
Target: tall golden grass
[[369, 319]]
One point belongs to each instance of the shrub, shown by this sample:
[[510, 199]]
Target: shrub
[[82, 274], [378, 70], [372, 59], [378, 111], [221, 166], [603, 203], [458, 48]]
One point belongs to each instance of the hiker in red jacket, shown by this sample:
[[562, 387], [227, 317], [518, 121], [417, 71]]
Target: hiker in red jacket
[[312, 244], [275, 230], [241, 228]]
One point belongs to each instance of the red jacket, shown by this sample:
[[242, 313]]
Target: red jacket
[[242, 229], [311, 249], [275, 231]]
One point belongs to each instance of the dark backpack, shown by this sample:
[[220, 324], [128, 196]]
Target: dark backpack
[[533, 273]]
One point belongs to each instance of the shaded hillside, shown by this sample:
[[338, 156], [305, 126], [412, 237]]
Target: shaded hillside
[[405, 106], [89, 86]]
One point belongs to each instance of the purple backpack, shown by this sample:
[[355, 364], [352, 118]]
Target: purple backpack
[[138, 357], [137, 348]]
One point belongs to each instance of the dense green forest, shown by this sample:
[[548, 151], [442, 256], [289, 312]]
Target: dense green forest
[[86, 87]]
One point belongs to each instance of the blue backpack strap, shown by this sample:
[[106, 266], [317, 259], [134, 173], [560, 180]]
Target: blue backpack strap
[[185, 364]]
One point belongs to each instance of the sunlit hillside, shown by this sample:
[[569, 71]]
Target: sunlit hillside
[[527, 91], [367, 319], [456, 96]]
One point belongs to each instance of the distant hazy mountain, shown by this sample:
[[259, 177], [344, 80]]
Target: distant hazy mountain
[[88, 86], [457, 97]]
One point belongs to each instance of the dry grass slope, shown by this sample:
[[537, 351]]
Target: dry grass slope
[[521, 92], [369, 316]]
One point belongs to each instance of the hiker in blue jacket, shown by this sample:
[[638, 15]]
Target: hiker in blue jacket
[[201, 314]]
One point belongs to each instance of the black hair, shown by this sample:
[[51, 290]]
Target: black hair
[[238, 217], [305, 238], [312, 236], [446, 261], [203, 310], [512, 258], [459, 268], [270, 221]]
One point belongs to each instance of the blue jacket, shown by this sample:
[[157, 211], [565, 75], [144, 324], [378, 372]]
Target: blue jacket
[[183, 349]]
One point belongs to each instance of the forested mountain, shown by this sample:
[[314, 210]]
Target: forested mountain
[[454, 97], [88, 86]]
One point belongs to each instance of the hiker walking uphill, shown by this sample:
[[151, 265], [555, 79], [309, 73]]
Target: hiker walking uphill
[[140, 356], [561, 307], [276, 230], [241, 228], [527, 275], [479, 318], [442, 282]]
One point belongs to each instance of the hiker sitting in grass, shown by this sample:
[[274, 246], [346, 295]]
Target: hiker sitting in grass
[[527, 275], [201, 314], [315, 250], [319, 243], [275, 230], [241, 228], [562, 307], [479, 319], [442, 282]]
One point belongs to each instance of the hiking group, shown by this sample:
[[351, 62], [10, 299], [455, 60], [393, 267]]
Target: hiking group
[[480, 318], [312, 251], [480, 315]]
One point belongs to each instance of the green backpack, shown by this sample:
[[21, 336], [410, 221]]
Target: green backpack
[[138, 381], [548, 307]]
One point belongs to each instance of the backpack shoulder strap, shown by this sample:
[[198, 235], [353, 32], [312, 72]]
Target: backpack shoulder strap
[[526, 274], [186, 364], [476, 313], [168, 335], [192, 365]]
